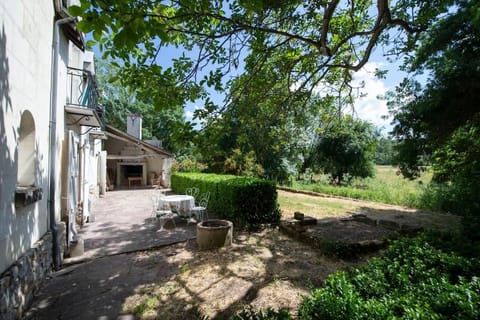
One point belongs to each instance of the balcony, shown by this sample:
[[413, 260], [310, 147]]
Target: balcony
[[82, 100]]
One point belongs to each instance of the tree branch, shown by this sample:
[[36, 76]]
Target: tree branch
[[329, 11]]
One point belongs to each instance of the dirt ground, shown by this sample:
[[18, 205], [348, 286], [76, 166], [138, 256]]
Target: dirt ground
[[266, 269]]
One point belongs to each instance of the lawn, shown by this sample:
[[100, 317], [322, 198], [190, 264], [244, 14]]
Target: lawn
[[326, 207], [387, 186], [319, 207]]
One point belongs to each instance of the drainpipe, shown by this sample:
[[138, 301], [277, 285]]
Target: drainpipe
[[53, 139]]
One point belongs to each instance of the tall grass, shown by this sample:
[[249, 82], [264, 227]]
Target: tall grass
[[387, 187]]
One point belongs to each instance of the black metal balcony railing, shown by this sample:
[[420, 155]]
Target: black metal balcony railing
[[83, 92]]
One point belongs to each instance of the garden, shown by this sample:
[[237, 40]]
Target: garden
[[273, 93], [267, 274]]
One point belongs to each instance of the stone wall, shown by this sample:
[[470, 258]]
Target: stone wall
[[23, 278]]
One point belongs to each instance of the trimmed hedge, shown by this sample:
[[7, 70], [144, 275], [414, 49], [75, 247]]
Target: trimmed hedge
[[245, 200]]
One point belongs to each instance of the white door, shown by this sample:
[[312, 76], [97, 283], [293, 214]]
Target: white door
[[73, 179], [87, 157]]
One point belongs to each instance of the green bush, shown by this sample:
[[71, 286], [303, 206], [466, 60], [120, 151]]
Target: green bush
[[413, 280], [460, 197], [245, 200], [188, 165]]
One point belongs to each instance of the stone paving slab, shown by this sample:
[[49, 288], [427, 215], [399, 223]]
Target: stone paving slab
[[94, 285], [123, 222], [95, 289]]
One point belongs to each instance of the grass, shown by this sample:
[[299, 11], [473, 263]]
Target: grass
[[330, 207], [315, 206], [263, 270], [386, 187]]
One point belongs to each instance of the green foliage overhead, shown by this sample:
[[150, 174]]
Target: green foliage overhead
[[435, 119], [165, 123], [288, 48], [439, 123], [263, 125], [316, 41]]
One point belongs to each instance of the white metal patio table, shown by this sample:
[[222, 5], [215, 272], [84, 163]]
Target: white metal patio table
[[182, 204]]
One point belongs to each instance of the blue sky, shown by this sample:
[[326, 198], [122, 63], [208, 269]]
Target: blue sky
[[370, 107]]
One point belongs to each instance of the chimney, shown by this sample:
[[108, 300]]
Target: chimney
[[134, 125]]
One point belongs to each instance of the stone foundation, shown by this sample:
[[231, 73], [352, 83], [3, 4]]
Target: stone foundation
[[21, 281]]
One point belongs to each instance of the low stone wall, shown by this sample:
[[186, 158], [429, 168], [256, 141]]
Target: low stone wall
[[19, 283], [347, 237], [343, 238]]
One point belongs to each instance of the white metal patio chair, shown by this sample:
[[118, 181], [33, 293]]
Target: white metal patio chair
[[202, 196], [162, 213], [199, 211], [193, 191], [160, 194]]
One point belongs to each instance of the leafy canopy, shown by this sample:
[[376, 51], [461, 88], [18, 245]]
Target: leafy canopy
[[440, 122], [167, 125], [311, 41], [442, 119]]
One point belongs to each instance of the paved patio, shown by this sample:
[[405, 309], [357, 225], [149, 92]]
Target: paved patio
[[122, 223], [95, 285]]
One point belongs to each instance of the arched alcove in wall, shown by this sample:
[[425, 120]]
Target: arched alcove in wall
[[26, 151]]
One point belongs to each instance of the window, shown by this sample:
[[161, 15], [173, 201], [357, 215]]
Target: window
[[26, 151], [26, 192]]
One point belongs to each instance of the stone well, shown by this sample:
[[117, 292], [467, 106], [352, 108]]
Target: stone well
[[214, 233]]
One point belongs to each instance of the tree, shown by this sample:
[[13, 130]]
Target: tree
[[345, 150], [164, 124], [314, 41], [296, 46], [385, 153], [243, 164], [258, 121], [442, 119], [433, 120]]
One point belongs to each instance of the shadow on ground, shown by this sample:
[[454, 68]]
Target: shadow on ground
[[265, 269], [122, 222]]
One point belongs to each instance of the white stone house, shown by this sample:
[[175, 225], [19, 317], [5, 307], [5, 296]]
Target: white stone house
[[50, 149]]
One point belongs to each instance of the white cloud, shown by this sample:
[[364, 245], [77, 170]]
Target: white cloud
[[188, 115], [369, 107], [189, 111]]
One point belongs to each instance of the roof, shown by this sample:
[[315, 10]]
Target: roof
[[116, 133], [69, 29]]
